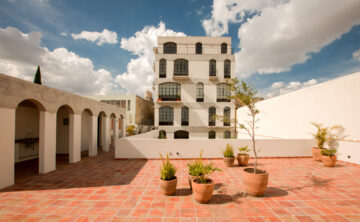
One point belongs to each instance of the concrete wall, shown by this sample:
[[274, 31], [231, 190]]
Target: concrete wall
[[144, 111], [331, 103], [133, 147]]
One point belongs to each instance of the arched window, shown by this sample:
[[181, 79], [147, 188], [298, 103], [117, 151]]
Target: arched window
[[223, 92], [227, 134], [181, 134], [226, 116], [212, 67], [198, 48], [162, 68], [227, 69], [166, 116], [199, 92], [184, 116], [169, 91], [223, 48], [212, 134], [212, 116], [169, 48], [181, 67]]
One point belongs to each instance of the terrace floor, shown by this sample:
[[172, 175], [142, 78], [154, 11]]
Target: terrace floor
[[103, 189]]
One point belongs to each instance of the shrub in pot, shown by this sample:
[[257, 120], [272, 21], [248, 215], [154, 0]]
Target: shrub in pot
[[203, 186], [243, 156], [168, 179], [194, 169], [328, 157], [229, 156], [255, 180]]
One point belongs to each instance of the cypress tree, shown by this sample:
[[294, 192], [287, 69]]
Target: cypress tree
[[37, 78]]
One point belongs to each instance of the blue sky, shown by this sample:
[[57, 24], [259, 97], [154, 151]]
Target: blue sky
[[275, 50]]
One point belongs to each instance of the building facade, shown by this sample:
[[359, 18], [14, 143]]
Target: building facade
[[191, 87]]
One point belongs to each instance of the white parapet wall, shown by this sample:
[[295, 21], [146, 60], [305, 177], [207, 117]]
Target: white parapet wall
[[148, 148], [331, 103]]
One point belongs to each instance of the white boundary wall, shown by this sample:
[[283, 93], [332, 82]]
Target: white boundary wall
[[331, 103], [190, 148]]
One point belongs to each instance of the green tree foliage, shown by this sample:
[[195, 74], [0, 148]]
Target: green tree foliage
[[37, 78]]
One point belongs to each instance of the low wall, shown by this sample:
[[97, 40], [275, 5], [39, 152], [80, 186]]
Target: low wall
[[190, 148]]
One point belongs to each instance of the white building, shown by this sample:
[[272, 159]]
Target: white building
[[190, 87]]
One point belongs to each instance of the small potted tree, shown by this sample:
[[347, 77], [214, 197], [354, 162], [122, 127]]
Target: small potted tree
[[243, 156], [168, 179], [255, 180], [229, 157], [203, 186], [194, 169]]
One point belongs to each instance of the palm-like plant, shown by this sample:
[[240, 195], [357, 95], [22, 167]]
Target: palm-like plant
[[328, 135]]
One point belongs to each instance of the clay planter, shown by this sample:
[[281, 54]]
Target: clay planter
[[168, 187], [190, 179], [255, 183], [202, 192], [243, 159], [229, 161], [329, 161], [316, 153]]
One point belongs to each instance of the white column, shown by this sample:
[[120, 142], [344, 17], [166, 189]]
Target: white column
[[7, 144], [105, 133], [93, 137], [116, 131], [47, 142], [75, 138]]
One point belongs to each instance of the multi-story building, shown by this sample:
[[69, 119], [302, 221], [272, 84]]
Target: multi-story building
[[191, 87]]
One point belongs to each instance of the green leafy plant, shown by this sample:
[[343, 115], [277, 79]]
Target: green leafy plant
[[204, 171], [328, 135], [244, 150], [130, 130], [167, 169], [161, 135], [229, 151], [194, 165], [328, 152]]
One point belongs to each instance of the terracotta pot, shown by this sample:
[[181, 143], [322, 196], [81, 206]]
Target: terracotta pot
[[202, 192], [243, 159], [229, 161], [329, 161], [190, 179], [168, 187], [255, 183], [316, 153]]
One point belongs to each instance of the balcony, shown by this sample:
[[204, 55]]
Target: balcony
[[169, 99], [181, 77]]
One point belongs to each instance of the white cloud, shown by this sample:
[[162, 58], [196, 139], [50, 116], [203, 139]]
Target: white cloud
[[139, 76], [100, 38], [63, 34], [356, 54], [281, 33], [62, 69], [280, 88]]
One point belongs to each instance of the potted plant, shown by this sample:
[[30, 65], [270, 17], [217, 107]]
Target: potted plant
[[178, 98], [255, 180], [328, 157], [162, 135], [243, 156], [203, 186], [168, 180], [194, 167], [159, 99], [229, 156]]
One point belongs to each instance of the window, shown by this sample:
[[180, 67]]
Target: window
[[223, 92], [226, 116], [227, 69], [212, 134], [200, 92], [128, 105], [212, 68], [224, 48], [198, 48], [212, 116], [166, 116], [227, 134], [162, 68], [181, 134], [184, 116], [169, 48], [181, 67], [169, 91]]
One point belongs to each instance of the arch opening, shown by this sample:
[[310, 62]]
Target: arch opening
[[181, 134]]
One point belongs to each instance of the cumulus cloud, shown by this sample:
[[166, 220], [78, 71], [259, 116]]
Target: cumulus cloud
[[281, 33], [100, 38], [20, 54], [279, 88], [139, 76], [356, 54]]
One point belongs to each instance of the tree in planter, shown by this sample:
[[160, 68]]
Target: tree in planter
[[168, 179]]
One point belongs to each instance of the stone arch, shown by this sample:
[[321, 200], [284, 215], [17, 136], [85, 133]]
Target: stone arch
[[64, 125]]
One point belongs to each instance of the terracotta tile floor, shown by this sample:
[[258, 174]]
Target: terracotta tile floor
[[103, 189]]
